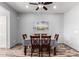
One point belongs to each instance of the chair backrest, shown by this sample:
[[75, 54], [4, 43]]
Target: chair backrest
[[56, 37], [24, 36], [35, 40], [43, 34], [37, 34], [45, 40]]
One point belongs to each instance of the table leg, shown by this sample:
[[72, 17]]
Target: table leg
[[54, 50], [25, 50]]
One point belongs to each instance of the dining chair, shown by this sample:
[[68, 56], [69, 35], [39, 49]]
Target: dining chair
[[24, 36], [25, 47], [45, 44], [35, 44], [56, 37]]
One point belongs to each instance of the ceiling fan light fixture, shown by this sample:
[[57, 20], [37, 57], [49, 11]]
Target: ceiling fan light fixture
[[40, 6]]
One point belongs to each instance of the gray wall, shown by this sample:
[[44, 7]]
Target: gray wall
[[4, 35], [71, 27], [13, 24], [55, 23]]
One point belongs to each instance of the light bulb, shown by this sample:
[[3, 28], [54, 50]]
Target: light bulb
[[27, 6], [54, 6]]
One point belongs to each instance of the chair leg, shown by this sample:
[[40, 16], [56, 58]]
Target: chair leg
[[54, 50], [49, 51], [31, 52], [42, 52], [25, 51], [39, 51]]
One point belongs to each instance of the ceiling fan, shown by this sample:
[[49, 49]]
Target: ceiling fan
[[41, 4]]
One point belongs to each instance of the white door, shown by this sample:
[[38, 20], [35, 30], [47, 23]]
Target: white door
[[3, 32]]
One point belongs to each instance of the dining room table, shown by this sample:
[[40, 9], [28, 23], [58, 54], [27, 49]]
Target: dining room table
[[27, 43]]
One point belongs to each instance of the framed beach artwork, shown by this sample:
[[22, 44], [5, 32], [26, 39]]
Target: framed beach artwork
[[40, 25]]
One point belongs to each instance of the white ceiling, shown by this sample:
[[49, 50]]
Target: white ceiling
[[61, 7]]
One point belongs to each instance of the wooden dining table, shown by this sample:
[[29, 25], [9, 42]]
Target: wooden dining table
[[27, 43]]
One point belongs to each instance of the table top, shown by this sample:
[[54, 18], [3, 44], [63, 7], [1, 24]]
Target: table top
[[28, 43]]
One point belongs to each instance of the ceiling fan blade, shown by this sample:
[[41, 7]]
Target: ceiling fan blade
[[37, 8], [46, 3], [34, 3], [45, 8]]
